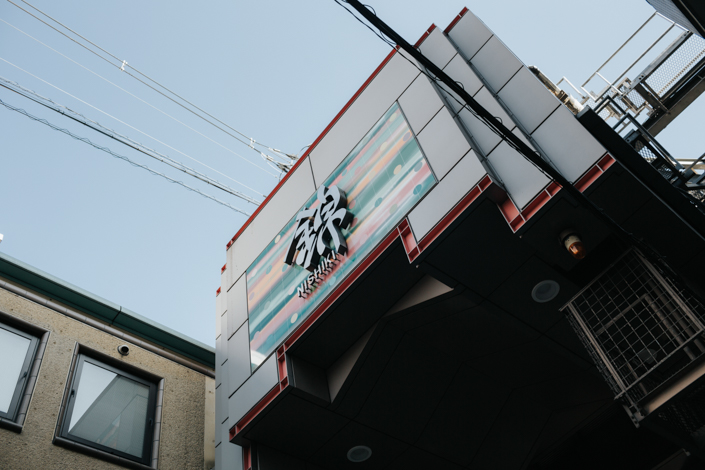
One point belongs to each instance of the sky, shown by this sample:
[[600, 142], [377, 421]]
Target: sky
[[277, 71]]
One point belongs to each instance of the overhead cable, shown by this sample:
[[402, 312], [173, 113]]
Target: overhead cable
[[282, 166], [121, 157], [153, 107], [514, 141], [75, 116]]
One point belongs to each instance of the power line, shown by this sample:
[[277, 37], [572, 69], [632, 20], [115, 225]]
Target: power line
[[252, 142], [121, 157], [96, 126], [150, 105]]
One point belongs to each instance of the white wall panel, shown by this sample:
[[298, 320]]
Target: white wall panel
[[470, 34], [443, 143], [522, 180], [420, 103], [237, 305], [352, 126], [221, 353], [442, 198], [238, 364], [252, 391], [496, 63], [567, 144], [437, 48], [527, 98], [218, 312], [271, 219], [460, 71], [486, 139]]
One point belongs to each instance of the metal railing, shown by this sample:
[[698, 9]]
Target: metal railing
[[639, 327]]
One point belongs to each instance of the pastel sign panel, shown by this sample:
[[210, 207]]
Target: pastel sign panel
[[365, 198]]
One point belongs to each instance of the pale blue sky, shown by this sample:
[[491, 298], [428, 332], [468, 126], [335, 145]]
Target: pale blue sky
[[278, 71]]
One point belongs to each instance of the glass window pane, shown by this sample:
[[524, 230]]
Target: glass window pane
[[110, 410], [13, 351]]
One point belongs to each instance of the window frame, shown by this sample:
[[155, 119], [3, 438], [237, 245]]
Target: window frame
[[150, 416], [23, 379]]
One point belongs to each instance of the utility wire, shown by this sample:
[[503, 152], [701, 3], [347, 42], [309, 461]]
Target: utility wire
[[153, 107], [75, 116], [280, 166], [522, 148], [490, 125], [121, 157]]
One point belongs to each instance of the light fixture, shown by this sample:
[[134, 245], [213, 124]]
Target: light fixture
[[572, 242], [545, 291], [359, 454], [1, 237]]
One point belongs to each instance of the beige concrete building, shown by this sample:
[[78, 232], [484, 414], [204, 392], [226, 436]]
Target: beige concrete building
[[87, 384]]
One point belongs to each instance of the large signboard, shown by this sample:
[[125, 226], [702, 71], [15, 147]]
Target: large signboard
[[365, 198]]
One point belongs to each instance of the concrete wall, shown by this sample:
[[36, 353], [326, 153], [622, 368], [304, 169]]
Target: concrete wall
[[185, 442]]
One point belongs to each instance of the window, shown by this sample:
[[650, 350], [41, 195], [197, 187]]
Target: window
[[17, 352], [110, 410]]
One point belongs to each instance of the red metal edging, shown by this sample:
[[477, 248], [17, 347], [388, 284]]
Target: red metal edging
[[516, 218], [455, 20]]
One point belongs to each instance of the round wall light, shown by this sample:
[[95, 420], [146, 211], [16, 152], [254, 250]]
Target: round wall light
[[545, 291], [359, 454]]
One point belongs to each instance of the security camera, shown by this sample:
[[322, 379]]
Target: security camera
[[124, 350]]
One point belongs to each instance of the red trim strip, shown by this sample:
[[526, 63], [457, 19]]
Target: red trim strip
[[516, 218], [484, 184], [247, 457], [262, 404], [217, 293], [409, 241], [455, 20], [425, 35], [341, 288], [310, 148], [222, 270]]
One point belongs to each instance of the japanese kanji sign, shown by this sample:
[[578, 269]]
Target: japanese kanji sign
[[317, 229]]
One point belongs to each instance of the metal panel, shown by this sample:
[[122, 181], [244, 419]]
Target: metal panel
[[220, 342], [468, 172], [485, 138], [238, 359], [228, 456], [218, 329], [496, 63], [237, 305], [273, 216], [443, 143], [221, 409], [460, 71], [568, 144], [437, 48], [252, 391], [420, 103], [470, 34], [522, 180], [529, 101], [379, 95]]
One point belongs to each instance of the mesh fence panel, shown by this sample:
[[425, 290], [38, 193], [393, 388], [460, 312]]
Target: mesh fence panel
[[641, 323], [677, 65]]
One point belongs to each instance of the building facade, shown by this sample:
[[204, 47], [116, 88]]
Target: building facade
[[88, 384], [417, 294]]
